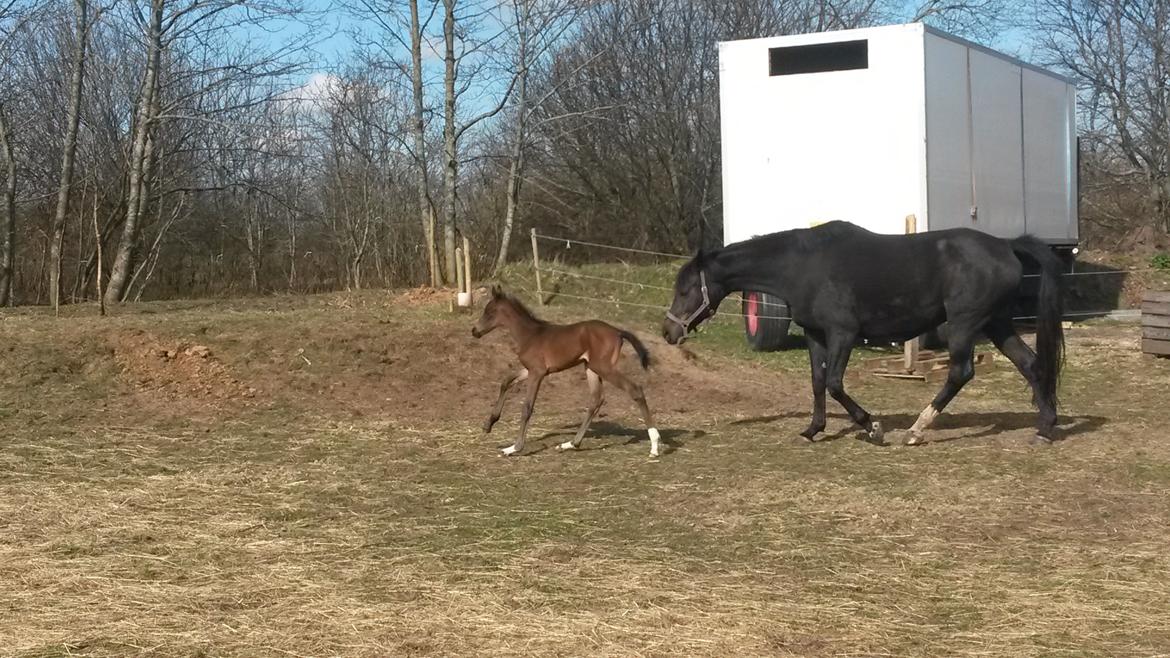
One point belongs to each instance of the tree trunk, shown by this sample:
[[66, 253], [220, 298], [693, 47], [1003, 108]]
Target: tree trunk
[[8, 226], [515, 173], [69, 150], [516, 170], [418, 129], [451, 168], [140, 156]]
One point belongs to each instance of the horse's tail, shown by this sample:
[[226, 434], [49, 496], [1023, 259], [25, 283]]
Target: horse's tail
[[643, 353], [1049, 309]]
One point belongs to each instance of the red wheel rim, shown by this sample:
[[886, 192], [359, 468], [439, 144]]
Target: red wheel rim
[[753, 321]]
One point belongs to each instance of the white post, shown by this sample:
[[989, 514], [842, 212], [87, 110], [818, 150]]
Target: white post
[[910, 358], [467, 265], [536, 269]]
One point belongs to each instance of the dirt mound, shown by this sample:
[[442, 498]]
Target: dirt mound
[[424, 296], [175, 370]]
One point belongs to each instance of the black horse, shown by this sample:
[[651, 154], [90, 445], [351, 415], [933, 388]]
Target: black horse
[[843, 282]]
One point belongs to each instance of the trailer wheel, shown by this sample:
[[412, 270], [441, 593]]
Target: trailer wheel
[[761, 313]]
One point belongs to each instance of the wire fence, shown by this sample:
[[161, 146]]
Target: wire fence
[[569, 242]]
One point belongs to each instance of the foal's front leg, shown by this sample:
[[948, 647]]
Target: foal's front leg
[[508, 382], [534, 380]]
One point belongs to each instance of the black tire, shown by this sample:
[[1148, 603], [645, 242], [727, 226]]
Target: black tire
[[765, 331]]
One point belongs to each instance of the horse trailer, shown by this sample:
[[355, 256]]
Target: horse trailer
[[897, 128]]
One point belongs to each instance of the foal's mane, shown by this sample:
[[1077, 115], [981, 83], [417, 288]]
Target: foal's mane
[[518, 306]]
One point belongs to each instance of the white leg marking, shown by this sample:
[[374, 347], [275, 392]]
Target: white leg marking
[[654, 437], [510, 450], [924, 420], [568, 445]]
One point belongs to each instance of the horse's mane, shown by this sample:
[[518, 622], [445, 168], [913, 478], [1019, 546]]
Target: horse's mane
[[519, 307], [801, 239]]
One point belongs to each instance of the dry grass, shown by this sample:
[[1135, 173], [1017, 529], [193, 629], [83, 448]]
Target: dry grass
[[337, 512]]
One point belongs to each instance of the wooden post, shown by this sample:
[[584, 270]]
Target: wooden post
[[459, 269], [97, 234], [910, 357], [536, 269], [467, 264]]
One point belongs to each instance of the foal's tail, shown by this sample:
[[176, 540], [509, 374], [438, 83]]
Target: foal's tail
[[1049, 309], [643, 353]]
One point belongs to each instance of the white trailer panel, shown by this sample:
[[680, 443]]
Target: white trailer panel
[[877, 124]]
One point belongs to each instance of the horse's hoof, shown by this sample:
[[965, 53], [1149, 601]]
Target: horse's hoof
[[508, 452], [915, 439], [567, 445], [653, 455], [1041, 441], [876, 433]]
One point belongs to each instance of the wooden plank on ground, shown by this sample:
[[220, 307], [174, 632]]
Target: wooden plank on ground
[[1156, 308], [1156, 333], [1155, 320], [1159, 347], [1157, 296]]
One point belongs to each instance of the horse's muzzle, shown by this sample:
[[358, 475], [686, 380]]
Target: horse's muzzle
[[673, 334]]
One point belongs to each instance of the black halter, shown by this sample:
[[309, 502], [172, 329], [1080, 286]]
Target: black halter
[[685, 323]]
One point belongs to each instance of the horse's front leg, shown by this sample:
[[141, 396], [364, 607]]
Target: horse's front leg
[[839, 345], [505, 385], [534, 380], [817, 356]]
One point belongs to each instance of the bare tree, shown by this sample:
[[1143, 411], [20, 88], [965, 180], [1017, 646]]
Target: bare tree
[[145, 113], [539, 26], [172, 26], [1119, 50], [418, 133], [8, 225], [81, 30]]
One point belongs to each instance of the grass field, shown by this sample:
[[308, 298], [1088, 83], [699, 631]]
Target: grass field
[[306, 476]]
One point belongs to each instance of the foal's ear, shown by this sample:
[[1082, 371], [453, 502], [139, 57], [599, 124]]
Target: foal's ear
[[497, 292]]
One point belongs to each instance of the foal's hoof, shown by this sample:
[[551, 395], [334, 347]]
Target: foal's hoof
[[915, 438], [876, 433], [1041, 441], [508, 452]]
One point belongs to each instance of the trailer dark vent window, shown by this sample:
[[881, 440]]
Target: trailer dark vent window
[[819, 58]]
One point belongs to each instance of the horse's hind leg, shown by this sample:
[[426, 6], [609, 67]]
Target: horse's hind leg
[[508, 382], [635, 392], [596, 400], [1003, 334], [961, 352], [534, 380], [838, 349]]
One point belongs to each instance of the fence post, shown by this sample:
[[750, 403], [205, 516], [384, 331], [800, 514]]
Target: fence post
[[467, 264], [459, 268], [910, 347], [536, 269]]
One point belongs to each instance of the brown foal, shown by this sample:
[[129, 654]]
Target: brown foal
[[545, 348]]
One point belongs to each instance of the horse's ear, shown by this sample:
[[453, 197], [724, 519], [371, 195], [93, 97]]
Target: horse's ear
[[700, 255], [497, 292]]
